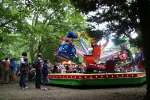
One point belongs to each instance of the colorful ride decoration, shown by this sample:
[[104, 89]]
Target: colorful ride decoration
[[91, 59], [81, 54], [71, 52], [67, 49]]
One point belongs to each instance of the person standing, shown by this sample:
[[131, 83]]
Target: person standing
[[13, 67], [24, 69], [45, 72], [38, 66], [6, 69]]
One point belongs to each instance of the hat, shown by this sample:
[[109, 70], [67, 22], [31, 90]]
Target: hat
[[71, 35]]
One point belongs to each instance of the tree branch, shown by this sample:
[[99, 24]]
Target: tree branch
[[3, 24]]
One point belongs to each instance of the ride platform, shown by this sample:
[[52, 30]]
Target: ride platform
[[102, 79]]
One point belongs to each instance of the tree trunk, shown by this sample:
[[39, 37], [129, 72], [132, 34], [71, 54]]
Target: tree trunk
[[144, 7]]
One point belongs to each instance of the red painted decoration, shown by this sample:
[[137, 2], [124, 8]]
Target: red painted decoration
[[91, 59]]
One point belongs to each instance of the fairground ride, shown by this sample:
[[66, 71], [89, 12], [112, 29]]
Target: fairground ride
[[117, 69]]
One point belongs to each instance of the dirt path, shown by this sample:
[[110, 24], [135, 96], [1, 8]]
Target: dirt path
[[13, 92]]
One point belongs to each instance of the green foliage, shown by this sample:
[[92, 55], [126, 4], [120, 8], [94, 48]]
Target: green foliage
[[36, 26], [121, 16]]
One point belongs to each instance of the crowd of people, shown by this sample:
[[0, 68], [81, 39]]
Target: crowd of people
[[11, 71]]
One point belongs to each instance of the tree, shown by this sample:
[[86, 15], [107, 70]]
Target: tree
[[37, 26], [144, 6], [116, 15], [123, 16], [50, 20], [11, 17]]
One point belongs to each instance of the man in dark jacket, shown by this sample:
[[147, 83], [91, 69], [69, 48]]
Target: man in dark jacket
[[45, 72], [24, 70], [38, 66]]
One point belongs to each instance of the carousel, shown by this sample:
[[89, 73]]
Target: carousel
[[94, 67]]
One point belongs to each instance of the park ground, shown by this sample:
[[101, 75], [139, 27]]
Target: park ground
[[13, 92]]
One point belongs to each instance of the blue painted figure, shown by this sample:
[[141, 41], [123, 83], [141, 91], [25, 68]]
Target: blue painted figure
[[67, 49]]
